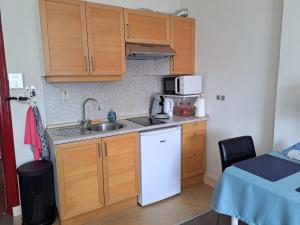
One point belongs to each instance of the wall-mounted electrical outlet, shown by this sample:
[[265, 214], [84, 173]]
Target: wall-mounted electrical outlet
[[220, 97], [65, 95]]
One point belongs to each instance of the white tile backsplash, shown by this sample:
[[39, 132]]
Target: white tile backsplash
[[131, 96]]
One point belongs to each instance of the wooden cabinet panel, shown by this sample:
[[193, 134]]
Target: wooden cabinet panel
[[64, 37], [194, 127], [183, 42], [80, 180], [120, 165], [106, 39], [192, 154], [193, 149], [147, 27]]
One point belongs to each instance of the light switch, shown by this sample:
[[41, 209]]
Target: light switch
[[15, 80]]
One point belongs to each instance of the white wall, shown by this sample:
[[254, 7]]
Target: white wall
[[23, 54], [20, 20], [237, 53], [287, 121]]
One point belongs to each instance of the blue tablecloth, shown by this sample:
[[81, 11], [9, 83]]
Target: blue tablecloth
[[257, 201]]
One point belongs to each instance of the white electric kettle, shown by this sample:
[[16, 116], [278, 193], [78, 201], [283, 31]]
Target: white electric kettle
[[168, 106]]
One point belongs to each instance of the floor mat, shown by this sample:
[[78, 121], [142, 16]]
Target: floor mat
[[210, 218]]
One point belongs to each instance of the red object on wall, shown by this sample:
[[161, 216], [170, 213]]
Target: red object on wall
[[6, 135]]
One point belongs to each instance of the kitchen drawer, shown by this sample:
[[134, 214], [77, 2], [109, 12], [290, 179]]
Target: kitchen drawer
[[194, 127]]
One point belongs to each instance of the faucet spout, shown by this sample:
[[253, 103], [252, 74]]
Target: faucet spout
[[84, 121]]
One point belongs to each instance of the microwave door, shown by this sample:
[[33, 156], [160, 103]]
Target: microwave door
[[169, 85], [177, 85], [192, 85]]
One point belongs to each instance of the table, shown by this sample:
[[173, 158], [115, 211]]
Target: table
[[257, 201]]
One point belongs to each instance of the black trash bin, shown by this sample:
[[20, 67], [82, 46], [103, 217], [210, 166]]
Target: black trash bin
[[37, 193]]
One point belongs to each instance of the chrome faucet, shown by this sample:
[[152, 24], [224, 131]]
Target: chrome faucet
[[86, 123]]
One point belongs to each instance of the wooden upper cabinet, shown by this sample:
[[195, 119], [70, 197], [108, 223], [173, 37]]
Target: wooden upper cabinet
[[120, 166], [80, 180], [146, 27], [82, 41], [105, 25], [64, 33], [183, 42], [193, 149]]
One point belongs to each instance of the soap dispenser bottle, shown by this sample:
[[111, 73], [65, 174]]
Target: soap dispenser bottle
[[112, 116]]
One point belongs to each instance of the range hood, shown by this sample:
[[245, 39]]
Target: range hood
[[146, 51]]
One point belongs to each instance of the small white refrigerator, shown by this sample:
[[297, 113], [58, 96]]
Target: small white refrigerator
[[160, 165]]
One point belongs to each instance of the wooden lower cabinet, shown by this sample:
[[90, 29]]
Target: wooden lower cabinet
[[121, 177], [80, 180], [97, 177], [193, 150]]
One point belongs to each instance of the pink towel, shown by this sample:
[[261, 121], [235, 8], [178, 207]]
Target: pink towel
[[31, 134]]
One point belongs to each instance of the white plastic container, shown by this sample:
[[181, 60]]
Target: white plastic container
[[200, 107]]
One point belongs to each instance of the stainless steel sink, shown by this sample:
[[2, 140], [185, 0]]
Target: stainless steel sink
[[107, 126], [79, 130], [71, 131]]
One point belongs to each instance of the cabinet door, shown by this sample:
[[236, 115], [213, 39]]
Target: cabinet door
[[183, 42], [120, 165], [80, 177], [64, 33], [193, 150], [147, 27], [106, 39]]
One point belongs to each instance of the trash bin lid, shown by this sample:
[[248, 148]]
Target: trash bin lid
[[34, 168]]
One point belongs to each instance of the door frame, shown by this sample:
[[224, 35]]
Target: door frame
[[6, 135]]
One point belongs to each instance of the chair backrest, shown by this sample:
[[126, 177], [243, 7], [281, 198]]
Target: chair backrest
[[235, 150]]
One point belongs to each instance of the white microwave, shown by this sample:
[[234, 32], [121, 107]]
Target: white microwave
[[182, 85]]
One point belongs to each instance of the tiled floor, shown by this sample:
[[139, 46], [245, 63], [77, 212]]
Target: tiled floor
[[190, 202]]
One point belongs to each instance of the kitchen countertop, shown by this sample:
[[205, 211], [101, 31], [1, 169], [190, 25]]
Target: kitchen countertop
[[129, 128]]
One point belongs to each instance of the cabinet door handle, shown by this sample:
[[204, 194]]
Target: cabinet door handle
[[86, 63], [195, 134], [128, 30], [93, 63], [105, 145], [99, 151], [173, 63]]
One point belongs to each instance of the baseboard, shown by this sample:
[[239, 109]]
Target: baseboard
[[17, 210], [99, 213], [191, 181], [211, 181]]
